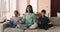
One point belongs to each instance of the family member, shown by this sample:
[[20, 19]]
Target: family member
[[15, 19], [44, 22], [29, 17]]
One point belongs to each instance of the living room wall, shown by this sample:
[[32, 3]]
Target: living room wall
[[0, 8], [44, 4]]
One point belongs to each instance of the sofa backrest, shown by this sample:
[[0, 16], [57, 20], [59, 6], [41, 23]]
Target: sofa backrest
[[2, 20], [55, 20]]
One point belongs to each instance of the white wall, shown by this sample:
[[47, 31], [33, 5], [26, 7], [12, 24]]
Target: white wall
[[44, 4], [34, 5], [12, 8], [0, 8], [22, 6]]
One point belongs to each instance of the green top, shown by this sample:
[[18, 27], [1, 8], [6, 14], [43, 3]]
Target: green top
[[29, 18]]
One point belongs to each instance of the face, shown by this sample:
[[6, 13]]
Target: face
[[43, 14], [28, 9], [15, 13]]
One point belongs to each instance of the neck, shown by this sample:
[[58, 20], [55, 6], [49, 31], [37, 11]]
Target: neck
[[16, 16], [28, 12], [43, 16]]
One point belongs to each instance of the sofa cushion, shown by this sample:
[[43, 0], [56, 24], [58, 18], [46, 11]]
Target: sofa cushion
[[34, 30], [55, 29], [13, 30], [55, 20]]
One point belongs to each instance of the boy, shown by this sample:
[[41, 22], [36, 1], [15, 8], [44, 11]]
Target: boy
[[44, 21]]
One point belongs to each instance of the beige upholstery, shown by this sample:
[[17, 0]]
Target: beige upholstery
[[55, 20], [13, 30], [56, 29]]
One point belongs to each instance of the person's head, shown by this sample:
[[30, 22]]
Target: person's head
[[29, 9], [16, 13], [43, 12]]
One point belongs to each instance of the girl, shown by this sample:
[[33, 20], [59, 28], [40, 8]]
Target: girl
[[15, 19]]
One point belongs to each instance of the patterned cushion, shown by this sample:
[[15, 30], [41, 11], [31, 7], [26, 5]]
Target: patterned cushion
[[55, 20]]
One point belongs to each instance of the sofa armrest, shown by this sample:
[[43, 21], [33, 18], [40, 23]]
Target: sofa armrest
[[5, 24]]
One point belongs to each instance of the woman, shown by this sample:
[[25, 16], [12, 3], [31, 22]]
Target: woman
[[29, 17], [15, 19]]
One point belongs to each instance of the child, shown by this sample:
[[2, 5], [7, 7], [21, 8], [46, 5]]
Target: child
[[15, 19], [44, 22]]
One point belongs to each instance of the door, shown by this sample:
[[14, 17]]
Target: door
[[55, 7]]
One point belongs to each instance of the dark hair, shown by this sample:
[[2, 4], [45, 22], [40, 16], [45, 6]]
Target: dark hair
[[17, 12], [43, 11], [30, 7]]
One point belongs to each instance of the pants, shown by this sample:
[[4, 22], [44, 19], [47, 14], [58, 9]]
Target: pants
[[23, 26], [45, 26], [33, 26], [12, 24]]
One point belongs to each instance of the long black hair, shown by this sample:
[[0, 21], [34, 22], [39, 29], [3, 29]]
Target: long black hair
[[30, 7]]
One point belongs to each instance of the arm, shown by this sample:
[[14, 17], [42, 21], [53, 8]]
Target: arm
[[50, 23], [34, 18], [20, 21]]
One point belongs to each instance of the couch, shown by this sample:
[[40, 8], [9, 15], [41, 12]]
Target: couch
[[54, 20]]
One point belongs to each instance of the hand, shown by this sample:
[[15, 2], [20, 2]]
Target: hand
[[50, 23], [20, 22], [39, 22]]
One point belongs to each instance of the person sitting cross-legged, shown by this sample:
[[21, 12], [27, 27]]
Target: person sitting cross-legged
[[44, 22]]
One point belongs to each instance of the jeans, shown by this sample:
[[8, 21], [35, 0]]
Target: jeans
[[12, 24]]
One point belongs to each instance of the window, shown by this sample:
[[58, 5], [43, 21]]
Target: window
[[8, 7], [4, 8], [34, 5]]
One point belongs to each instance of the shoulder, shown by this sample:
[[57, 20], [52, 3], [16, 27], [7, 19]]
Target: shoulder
[[39, 17], [33, 14], [47, 17], [25, 14]]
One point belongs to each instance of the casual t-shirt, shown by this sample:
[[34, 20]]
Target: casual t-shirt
[[44, 20], [29, 18], [16, 19]]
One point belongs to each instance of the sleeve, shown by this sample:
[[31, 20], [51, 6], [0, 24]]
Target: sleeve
[[39, 19], [34, 18], [11, 19], [48, 19], [19, 19], [24, 18]]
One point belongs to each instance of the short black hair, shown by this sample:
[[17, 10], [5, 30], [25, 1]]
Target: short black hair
[[43, 11]]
